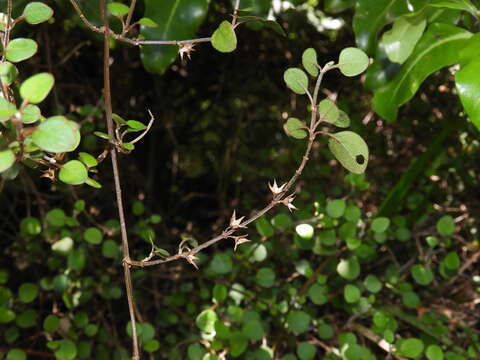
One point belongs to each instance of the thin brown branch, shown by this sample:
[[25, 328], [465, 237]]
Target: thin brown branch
[[280, 198], [8, 28], [129, 16], [116, 176], [235, 12], [150, 123]]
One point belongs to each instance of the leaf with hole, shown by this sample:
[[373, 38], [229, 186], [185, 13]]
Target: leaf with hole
[[350, 150], [20, 49], [296, 80], [352, 61], [37, 12], [56, 135], [224, 38], [295, 128], [309, 61], [36, 88]]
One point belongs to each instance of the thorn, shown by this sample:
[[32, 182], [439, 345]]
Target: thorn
[[185, 49], [191, 259], [275, 189], [240, 240], [234, 222]]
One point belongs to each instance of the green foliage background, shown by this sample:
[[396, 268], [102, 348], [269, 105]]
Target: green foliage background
[[371, 264]]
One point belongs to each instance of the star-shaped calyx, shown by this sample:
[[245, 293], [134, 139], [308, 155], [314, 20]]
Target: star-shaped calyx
[[185, 49], [275, 189], [288, 202], [236, 223]]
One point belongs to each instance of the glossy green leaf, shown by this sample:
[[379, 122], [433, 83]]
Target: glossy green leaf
[[117, 9], [309, 61], [295, 128], [7, 159], [224, 38], [73, 172], [7, 109], [296, 80], [352, 61], [36, 88], [370, 18], [31, 114], [328, 111], [177, 20], [56, 135], [402, 38], [467, 81], [350, 150], [93, 183], [465, 5], [37, 12], [20, 49], [8, 72], [438, 47]]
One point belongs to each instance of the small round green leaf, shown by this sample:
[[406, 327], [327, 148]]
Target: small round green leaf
[[206, 321], [296, 80], [51, 323], [56, 135], [16, 354], [295, 128], [224, 38], [147, 22], [309, 61], [93, 235], [135, 125], [7, 109], [328, 111], [6, 315], [221, 264], [372, 284], [63, 246], [31, 114], [36, 88], [351, 293], [298, 321], [305, 231], [110, 249], [219, 292], [151, 345], [8, 72], [117, 9], [350, 150], [446, 225], [20, 49], [352, 61], [87, 159], [37, 12], [317, 294], [421, 274], [195, 352], [7, 159], [73, 173], [67, 350], [411, 348], [349, 268], [434, 352], [265, 277], [452, 260], [336, 208], [56, 217], [380, 224], [306, 351], [27, 292]]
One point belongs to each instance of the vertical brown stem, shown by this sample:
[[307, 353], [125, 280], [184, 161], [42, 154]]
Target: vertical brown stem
[[116, 177]]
